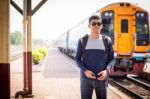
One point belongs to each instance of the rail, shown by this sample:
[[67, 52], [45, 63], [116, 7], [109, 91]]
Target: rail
[[136, 80], [131, 88]]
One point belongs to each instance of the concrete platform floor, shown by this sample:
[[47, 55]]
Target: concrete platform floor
[[57, 77]]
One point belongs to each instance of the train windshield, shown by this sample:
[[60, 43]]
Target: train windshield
[[142, 30], [108, 24]]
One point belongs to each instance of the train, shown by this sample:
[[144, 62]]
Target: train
[[128, 27]]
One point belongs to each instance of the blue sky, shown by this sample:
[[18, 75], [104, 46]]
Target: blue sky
[[57, 16]]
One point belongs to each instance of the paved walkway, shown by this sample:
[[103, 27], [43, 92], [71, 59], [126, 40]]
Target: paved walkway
[[55, 78]]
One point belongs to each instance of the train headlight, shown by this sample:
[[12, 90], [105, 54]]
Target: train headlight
[[106, 13], [110, 14], [142, 14], [138, 14]]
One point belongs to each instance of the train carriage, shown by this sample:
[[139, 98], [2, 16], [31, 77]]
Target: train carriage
[[128, 27]]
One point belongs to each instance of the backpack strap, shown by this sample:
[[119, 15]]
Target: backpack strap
[[105, 40], [84, 42]]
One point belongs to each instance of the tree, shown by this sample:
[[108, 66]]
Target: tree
[[16, 38]]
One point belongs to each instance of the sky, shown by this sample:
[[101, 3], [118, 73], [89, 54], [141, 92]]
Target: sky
[[57, 16]]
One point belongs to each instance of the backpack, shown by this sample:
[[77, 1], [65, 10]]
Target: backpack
[[84, 43]]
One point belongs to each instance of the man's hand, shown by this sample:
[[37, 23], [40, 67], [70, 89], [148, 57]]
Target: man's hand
[[102, 75], [90, 74]]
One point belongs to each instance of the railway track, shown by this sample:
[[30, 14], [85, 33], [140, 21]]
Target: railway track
[[16, 56], [140, 80], [134, 88], [20, 54]]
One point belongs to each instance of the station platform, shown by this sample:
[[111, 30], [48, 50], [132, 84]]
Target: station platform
[[57, 77]]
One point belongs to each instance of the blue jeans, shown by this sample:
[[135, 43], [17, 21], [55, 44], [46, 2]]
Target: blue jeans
[[88, 85]]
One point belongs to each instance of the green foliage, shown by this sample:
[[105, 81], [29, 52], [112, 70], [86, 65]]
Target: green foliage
[[44, 51], [16, 38], [36, 57]]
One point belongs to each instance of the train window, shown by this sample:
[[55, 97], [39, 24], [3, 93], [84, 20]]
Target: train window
[[124, 26], [106, 21], [141, 23], [108, 24], [108, 28], [142, 30]]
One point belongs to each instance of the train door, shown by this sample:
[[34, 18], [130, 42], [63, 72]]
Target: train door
[[125, 35]]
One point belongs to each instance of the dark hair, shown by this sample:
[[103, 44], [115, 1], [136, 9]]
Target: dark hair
[[94, 17]]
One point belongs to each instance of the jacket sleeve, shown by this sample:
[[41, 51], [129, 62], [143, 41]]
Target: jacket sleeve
[[111, 59], [78, 57]]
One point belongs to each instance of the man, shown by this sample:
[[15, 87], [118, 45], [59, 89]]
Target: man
[[94, 61]]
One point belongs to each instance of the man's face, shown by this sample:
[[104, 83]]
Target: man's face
[[95, 26]]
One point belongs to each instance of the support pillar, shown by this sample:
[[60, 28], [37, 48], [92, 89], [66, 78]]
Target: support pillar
[[4, 50], [28, 47], [27, 13]]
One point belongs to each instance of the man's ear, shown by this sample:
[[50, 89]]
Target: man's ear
[[101, 26], [89, 25]]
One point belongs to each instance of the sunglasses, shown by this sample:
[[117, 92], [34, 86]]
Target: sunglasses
[[96, 23]]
